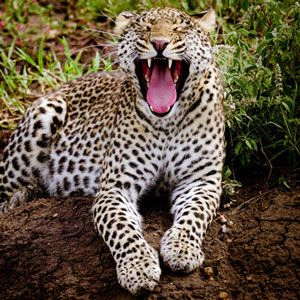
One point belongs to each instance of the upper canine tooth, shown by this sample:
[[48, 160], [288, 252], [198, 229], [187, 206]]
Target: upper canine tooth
[[149, 62], [170, 61]]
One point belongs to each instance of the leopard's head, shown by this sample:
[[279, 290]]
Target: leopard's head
[[162, 48]]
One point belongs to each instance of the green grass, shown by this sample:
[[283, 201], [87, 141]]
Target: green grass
[[29, 64], [21, 71], [260, 62]]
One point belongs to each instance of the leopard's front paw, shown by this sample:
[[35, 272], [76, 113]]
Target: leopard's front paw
[[140, 271], [181, 250]]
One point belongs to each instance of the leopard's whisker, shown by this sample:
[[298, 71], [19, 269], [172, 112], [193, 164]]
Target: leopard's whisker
[[103, 31], [93, 46], [108, 17]]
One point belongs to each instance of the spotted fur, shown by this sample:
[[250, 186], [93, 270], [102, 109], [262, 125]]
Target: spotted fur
[[98, 136]]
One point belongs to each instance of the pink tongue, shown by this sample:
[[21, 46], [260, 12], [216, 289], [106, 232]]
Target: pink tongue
[[161, 92]]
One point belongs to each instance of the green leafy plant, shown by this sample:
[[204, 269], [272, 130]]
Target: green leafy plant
[[262, 84]]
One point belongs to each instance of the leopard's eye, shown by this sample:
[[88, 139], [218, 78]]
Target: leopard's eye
[[179, 27]]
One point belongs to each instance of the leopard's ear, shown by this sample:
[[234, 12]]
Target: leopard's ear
[[122, 21], [206, 19]]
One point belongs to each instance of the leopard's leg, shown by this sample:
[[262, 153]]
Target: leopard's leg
[[193, 206], [119, 223], [26, 156]]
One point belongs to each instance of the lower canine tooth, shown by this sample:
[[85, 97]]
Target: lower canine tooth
[[151, 108]]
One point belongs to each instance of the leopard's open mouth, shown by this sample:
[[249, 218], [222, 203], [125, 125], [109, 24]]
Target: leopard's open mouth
[[161, 81]]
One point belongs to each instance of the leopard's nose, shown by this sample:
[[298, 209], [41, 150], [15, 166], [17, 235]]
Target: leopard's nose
[[159, 45]]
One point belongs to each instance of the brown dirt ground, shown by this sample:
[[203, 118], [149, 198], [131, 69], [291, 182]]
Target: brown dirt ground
[[50, 250]]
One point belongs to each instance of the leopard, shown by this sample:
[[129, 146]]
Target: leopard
[[155, 121]]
